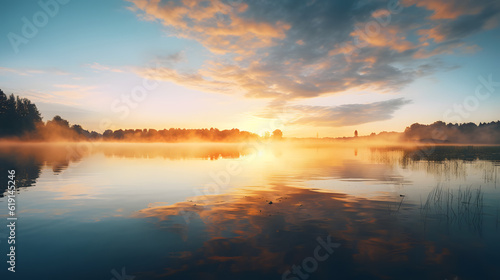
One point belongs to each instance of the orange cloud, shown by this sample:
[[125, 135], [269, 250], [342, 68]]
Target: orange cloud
[[432, 33], [264, 52], [255, 232], [218, 26], [450, 9], [389, 36]]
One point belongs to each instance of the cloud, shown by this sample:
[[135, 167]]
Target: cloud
[[334, 116], [100, 67], [450, 9], [304, 49], [173, 58], [13, 71], [31, 72], [216, 24], [288, 51], [348, 114], [60, 94], [67, 86]]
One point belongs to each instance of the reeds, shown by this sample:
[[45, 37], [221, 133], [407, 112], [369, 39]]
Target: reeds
[[459, 207]]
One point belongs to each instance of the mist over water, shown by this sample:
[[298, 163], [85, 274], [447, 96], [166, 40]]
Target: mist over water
[[254, 210]]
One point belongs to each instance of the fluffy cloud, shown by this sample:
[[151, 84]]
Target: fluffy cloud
[[450, 9], [290, 50], [333, 116], [347, 114]]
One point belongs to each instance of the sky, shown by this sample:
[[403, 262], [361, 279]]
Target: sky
[[307, 67]]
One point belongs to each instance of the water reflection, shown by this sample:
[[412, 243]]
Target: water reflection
[[461, 208], [442, 153], [445, 162], [244, 236], [397, 214], [29, 159], [175, 151], [296, 162]]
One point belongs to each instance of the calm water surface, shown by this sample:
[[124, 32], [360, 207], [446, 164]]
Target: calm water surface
[[252, 211]]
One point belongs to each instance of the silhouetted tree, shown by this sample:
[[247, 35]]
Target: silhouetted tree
[[277, 134], [78, 129], [108, 134], [57, 120], [355, 133], [18, 116], [440, 132]]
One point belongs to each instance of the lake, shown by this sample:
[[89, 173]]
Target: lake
[[252, 211]]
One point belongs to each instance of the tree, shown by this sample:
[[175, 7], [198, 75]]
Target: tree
[[277, 134], [108, 134], [355, 133], [78, 129], [17, 115], [57, 120]]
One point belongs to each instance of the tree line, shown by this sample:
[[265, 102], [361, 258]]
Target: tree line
[[441, 132], [17, 115], [20, 119]]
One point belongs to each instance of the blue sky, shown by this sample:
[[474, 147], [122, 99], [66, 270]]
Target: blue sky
[[254, 65]]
